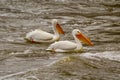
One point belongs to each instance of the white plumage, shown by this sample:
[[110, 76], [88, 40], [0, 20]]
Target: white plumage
[[42, 36], [68, 46], [39, 36]]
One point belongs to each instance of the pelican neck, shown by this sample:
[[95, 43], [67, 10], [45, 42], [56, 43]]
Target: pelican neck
[[55, 30], [77, 40]]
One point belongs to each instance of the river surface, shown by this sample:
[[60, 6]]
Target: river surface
[[22, 60]]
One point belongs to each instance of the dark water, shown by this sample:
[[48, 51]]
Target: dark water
[[98, 19]]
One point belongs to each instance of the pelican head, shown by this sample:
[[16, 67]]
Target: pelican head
[[77, 33], [57, 26], [54, 21]]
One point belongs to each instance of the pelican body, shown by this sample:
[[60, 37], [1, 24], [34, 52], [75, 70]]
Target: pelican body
[[68, 46], [45, 37]]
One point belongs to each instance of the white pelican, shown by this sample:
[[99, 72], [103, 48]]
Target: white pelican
[[44, 37], [68, 46]]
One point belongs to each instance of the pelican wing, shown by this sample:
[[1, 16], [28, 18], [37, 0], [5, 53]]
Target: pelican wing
[[39, 35], [64, 45]]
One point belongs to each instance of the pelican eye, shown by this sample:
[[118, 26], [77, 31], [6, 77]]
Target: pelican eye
[[78, 31]]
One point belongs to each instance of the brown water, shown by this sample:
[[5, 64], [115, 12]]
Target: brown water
[[98, 19]]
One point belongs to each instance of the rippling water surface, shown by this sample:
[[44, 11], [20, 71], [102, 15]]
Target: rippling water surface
[[98, 19]]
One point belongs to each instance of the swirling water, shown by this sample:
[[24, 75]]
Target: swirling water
[[98, 19]]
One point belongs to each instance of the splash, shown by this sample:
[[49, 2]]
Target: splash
[[111, 55]]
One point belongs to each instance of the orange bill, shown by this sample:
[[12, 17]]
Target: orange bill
[[84, 39], [59, 29]]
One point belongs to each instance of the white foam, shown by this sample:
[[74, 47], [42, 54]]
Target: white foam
[[111, 55]]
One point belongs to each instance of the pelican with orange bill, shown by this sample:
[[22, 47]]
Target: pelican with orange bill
[[68, 46], [41, 36]]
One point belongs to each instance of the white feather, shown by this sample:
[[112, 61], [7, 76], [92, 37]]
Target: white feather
[[66, 46], [62, 46], [39, 35], [42, 36]]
